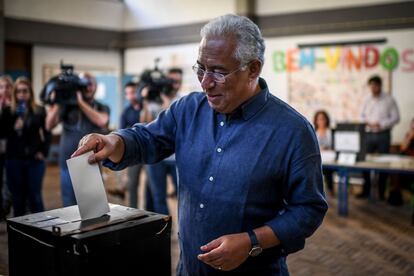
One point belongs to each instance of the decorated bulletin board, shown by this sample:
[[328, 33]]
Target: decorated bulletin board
[[334, 79]]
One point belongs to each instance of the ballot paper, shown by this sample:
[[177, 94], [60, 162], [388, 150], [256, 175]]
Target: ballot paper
[[88, 186]]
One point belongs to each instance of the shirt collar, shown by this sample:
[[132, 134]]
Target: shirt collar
[[255, 103], [251, 106]]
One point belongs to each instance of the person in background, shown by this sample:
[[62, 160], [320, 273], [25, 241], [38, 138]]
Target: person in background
[[176, 74], [399, 181], [158, 172], [322, 122], [407, 146], [6, 91], [250, 179], [88, 116], [129, 117], [380, 113], [27, 148]]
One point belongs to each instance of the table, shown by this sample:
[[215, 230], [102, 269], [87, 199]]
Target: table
[[388, 163]]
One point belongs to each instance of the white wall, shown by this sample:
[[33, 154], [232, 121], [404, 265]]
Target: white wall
[[136, 60], [269, 7], [87, 13], [402, 82], [162, 13]]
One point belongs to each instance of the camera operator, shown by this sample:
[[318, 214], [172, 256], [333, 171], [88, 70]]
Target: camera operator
[[78, 120], [158, 172]]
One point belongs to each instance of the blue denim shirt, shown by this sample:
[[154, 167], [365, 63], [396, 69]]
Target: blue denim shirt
[[258, 166]]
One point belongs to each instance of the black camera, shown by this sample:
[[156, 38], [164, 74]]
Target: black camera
[[156, 84], [65, 85]]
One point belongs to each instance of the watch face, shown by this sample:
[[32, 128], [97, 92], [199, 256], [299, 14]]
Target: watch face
[[256, 250]]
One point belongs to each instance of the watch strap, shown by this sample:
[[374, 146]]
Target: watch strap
[[253, 238]]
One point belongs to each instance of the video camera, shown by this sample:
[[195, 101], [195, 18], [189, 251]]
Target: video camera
[[65, 85], [156, 83]]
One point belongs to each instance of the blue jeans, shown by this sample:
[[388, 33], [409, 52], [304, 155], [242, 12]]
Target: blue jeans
[[158, 183], [24, 179], [68, 195]]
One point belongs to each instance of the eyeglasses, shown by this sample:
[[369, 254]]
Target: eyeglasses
[[217, 77]]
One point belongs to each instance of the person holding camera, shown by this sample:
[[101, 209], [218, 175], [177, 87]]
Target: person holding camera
[[89, 115], [27, 148]]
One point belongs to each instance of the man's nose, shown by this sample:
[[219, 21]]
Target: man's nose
[[207, 82]]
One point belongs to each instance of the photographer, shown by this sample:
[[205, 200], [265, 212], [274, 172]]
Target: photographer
[[78, 120]]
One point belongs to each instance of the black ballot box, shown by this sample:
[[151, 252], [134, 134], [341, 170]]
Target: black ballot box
[[126, 241]]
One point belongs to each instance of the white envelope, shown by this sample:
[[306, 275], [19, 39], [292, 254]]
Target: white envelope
[[88, 186]]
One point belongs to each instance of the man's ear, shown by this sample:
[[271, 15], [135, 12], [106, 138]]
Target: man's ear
[[254, 69]]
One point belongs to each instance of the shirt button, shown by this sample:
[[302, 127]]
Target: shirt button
[[211, 178], [219, 150], [201, 205], [221, 123]]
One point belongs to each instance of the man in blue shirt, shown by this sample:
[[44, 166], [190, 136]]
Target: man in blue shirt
[[129, 117], [250, 188]]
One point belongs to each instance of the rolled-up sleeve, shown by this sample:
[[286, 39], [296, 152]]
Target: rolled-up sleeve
[[305, 204], [393, 115]]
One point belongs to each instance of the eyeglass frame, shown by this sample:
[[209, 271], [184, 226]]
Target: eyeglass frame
[[196, 68]]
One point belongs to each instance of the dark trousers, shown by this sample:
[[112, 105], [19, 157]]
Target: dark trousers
[[2, 160], [328, 174], [377, 143], [24, 179], [158, 183]]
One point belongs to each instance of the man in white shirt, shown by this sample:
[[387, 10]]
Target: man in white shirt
[[380, 113]]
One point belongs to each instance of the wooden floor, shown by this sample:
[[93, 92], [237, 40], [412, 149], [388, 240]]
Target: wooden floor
[[376, 239]]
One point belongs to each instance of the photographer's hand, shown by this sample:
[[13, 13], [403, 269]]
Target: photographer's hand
[[18, 125], [166, 101], [52, 116], [104, 146], [80, 98]]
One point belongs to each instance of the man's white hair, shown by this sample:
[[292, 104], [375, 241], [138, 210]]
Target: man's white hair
[[250, 43]]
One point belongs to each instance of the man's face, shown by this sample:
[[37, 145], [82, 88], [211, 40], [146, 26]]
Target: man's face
[[178, 79], [130, 94], [6, 89], [22, 92], [375, 88], [90, 90], [216, 55]]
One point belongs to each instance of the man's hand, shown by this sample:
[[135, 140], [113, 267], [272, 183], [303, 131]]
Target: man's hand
[[374, 126], [19, 124], [104, 146], [227, 252], [79, 97], [39, 156]]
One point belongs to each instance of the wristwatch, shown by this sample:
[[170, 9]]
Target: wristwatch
[[256, 249]]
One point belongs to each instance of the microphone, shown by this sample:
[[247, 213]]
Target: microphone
[[21, 112]]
